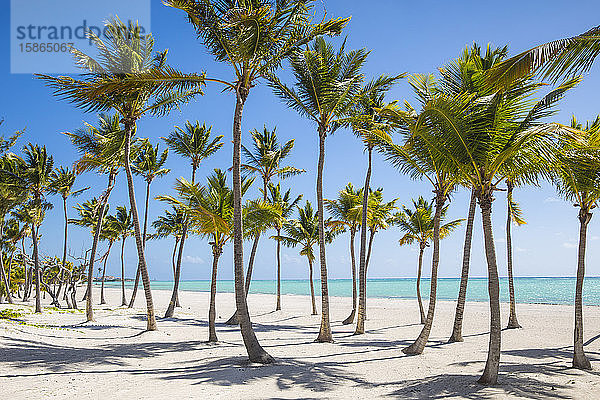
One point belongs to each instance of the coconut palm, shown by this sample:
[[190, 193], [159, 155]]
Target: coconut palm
[[122, 223], [417, 225], [264, 160], [304, 232], [257, 38], [327, 85], [577, 179], [149, 165], [193, 142], [210, 209], [286, 203], [344, 219], [130, 79], [171, 224], [61, 182]]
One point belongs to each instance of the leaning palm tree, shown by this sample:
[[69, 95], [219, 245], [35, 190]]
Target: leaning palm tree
[[327, 85], [343, 218], [577, 178], [122, 223], [417, 225], [61, 182], [130, 79], [172, 223], [195, 143], [254, 38], [304, 232], [286, 203], [148, 164]]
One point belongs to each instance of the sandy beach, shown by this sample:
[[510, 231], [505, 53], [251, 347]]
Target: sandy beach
[[57, 356]]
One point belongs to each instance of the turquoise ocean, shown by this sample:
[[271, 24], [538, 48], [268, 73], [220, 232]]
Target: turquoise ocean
[[552, 290]]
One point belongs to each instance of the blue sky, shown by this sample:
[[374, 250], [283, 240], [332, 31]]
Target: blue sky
[[415, 37]]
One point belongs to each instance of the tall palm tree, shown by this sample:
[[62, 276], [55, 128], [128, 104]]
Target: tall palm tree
[[577, 179], [61, 182], [327, 85], [257, 38], [193, 142], [172, 223], [210, 209], [417, 225], [101, 150], [513, 215], [286, 203], [343, 218], [148, 164], [110, 234], [130, 79], [304, 232], [122, 223], [264, 160]]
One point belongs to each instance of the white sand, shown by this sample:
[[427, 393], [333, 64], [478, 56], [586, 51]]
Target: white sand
[[114, 359]]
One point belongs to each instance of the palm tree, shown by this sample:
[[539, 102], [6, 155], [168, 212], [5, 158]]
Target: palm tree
[[417, 223], [193, 142], [513, 215], [131, 80], [264, 160], [112, 235], [61, 182], [341, 210], [210, 209], [172, 223], [286, 203], [304, 232], [257, 38], [122, 223], [328, 83], [577, 179], [148, 164], [101, 150], [36, 179]]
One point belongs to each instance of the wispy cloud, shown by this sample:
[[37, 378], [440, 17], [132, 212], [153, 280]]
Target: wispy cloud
[[552, 199], [520, 249], [287, 259], [570, 245], [193, 260]]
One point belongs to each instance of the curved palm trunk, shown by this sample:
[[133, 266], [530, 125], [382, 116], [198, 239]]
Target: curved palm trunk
[[325, 329], [137, 273], [312, 286], [350, 318], [212, 332], [123, 299], [64, 258], [2, 272], [419, 270], [419, 344], [464, 275], [151, 319], [36, 263], [370, 246], [278, 307], [233, 320], [102, 301], [490, 373], [362, 267], [579, 358], [512, 319], [173, 302], [255, 352], [89, 312]]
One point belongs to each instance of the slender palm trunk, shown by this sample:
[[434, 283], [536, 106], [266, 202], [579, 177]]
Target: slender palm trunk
[[325, 329], [278, 307], [123, 299], [464, 275], [64, 258], [137, 273], [89, 312], [490, 373], [102, 301], [233, 320], [350, 318], [212, 332], [151, 319], [419, 344], [370, 246], [174, 256], [4, 280], [312, 286], [362, 266], [419, 270], [36, 263], [512, 319], [579, 358]]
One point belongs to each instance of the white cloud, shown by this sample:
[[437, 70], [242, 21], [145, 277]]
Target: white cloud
[[193, 260], [287, 259], [570, 245], [552, 199]]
